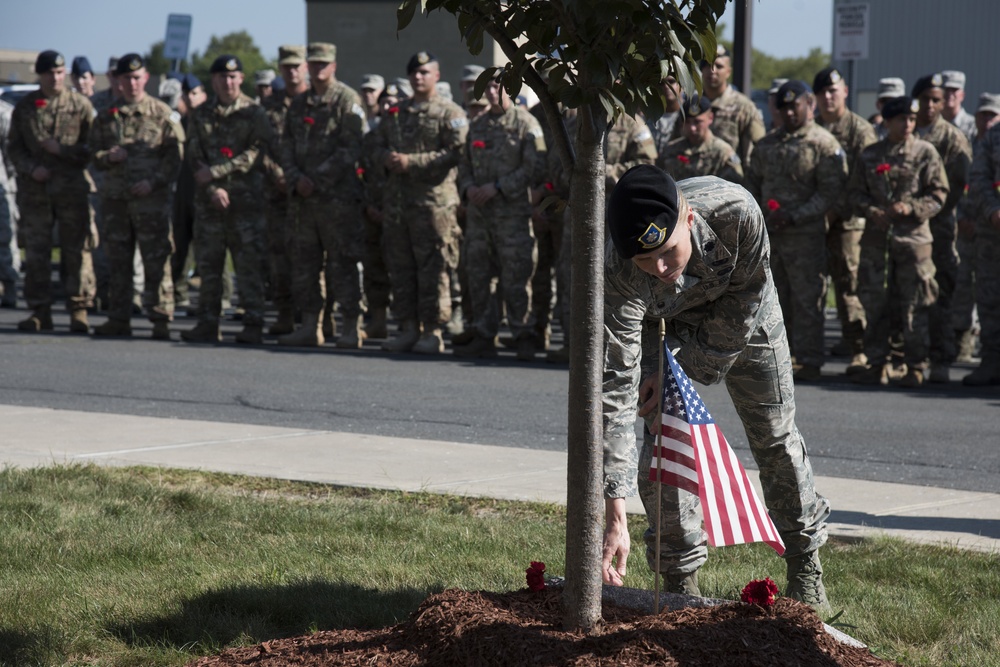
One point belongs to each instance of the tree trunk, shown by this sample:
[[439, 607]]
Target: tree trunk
[[584, 498]]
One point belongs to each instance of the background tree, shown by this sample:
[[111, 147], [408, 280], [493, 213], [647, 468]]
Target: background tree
[[601, 58], [765, 68], [239, 44], [157, 63]]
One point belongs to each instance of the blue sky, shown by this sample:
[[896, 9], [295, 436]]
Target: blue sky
[[102, 28]]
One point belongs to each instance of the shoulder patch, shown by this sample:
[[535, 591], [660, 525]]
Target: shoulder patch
[[175, 117], [535, 133], [735, 159], [459, 122], [358, 111], [644, 135]]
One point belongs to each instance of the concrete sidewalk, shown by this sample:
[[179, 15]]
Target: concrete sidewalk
[[42, 436]]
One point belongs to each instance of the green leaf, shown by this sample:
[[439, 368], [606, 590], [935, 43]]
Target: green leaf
[[407, 10], [483, 80]]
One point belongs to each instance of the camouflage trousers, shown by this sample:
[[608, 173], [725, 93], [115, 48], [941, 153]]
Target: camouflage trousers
[[799, 268], [376, 277], [503, 246], [327, 235], [142, 223], [10, 258], [760, 384], [239, 229], [988, 291], [943, 344], [279, 252], [70, 212], [843, 253], [896, 282], [421, 246], [964, 302], [548, 234]]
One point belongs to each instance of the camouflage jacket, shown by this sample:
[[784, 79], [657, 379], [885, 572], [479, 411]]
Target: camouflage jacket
[[151, 134], [7, 180], [737, 122], [910, 172], [956, 154], [103, 100], [432, 135], [628, 143], [803, 171], [666, 129], [854, 134], [276, 108], [724, 295], [984, 178], [503, 149], [966, 122], [231, 140], [322, 141], [681, 159], [67, 118]]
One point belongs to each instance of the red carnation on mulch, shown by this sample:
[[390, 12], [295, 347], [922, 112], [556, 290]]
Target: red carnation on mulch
[[461, 628]]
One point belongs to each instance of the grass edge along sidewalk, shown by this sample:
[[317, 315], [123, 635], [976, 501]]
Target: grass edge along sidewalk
[[144, 566]]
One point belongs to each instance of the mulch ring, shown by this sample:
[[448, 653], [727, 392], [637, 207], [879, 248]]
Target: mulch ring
[[465, 628]]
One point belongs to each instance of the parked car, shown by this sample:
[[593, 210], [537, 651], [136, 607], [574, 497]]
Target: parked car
[[12, 93]]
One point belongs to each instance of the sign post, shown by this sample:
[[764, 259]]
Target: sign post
[[175, 45], [850, 38]]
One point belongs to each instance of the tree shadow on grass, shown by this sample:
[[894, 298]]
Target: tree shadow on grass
[[36, 646], [252, 613]]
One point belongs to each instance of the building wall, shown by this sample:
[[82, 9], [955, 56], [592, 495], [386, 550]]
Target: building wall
[[367, 42], [912, 38]]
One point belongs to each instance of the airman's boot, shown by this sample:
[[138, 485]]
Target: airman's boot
[[805, 581], [309, 334], [329, 324], [430, 343], [939, 372], [682, 584], [40, 320], [285, 323], [409, 334], [986, 375], [558, 355], [114, 327], [205, 331], [378, 326], [252, 334], [161, 330], [966, 345], [78, 321], [353, 335], [914, 378], [874, 374], [480, 347], [859, 363], [526, 347]]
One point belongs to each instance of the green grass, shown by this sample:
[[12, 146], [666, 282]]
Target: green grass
[[154, 567]]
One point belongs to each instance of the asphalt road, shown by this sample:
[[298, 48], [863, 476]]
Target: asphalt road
[[944, 436]]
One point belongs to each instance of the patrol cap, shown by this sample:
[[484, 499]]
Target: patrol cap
[[291, 54], [372, 82], [891, 87], [48, 60], [953, 79], [926, 83], [471, 100], [825, 78], [775, 84], [695, 105], [403, 87], [81, 66], [989, 102], [264, 77], [321, 52], [471, 72], [899, 105], [226, 63], [444, 89], [642, 210], [128, 63], [791, 91], [190, 82], [419, 59]]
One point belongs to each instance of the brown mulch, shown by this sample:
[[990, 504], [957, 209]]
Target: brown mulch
[[465, 628]]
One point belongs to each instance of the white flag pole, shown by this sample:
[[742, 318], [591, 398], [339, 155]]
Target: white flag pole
[[659, 465]]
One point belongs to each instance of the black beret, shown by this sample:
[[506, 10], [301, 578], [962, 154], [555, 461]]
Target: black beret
[[696, 105], [642, 210], [419, 59], [130, 62], [791, 91], [826, 77], [897, 106], [48, 60], [81, 66], [226, 63], [925, 83]]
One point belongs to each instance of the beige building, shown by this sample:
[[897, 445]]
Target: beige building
[[17, 66]]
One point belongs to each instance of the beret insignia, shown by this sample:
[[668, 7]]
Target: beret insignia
[[834, 76], [937, 81], [789, 96], [231, 65], [59, 61], [423, 58], [914, 106], [653, 236]]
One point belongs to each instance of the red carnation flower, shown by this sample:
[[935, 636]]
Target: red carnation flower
[[309, 120], [996, 185], [549, 186], [360, 172], [41, 103], [536, 576], [113, 111], [394, 111], [883, 168], [226, 151], [479, 144], [773, 205], [684, 158], [761, 592]]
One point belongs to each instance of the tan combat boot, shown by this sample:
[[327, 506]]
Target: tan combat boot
[[682, 584], [40, 320], [309, 334], [78, 321], [966, 345], [859, 364], [353, 335], [805, 581], [121, 328], [252, 334], [914, 378], [874, 374], [203, 332], [430, 343], [285, 324], [409, 334], [378, 326]]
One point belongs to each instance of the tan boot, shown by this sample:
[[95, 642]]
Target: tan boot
[[682, 584], [252, 334], [204, 332], [353, 335], [409, 334], [78, 322], [378, 326], [285, 324], [121, 328], [859, 363], [161, 330], [876, 374], [430, 343], [40, 320], [914, 378], [309, 334]]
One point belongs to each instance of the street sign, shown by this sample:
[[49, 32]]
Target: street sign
[[175, 46], [850, 31]]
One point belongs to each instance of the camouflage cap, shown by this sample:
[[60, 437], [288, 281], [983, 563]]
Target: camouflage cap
[[925, 83], [48, 61], [899, 105], [791, 91], [226, 63], [403, 87], [642, 210], [443, 89], [128, 63], [264, 77], [989, 102], [891, 87], [291, 54], [471, 72], [471, 100], [953, 79], [372, 82], [321, 52]]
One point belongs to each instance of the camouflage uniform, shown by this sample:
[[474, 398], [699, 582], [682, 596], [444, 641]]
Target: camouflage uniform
[[964, 300], [279, 247], [230, 140], [666, 129], [805, 173], [723, 315], [420, 233], [103, 100], [502, 149], [10, 258], [843, 238], [896, 262], [737, 122], [63, 199], [956, 154], [985, 191], [151, 134], [377, 288], [682, 159], [323, 136]]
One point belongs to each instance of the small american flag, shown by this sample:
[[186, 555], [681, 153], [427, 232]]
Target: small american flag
[[697, 458]]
